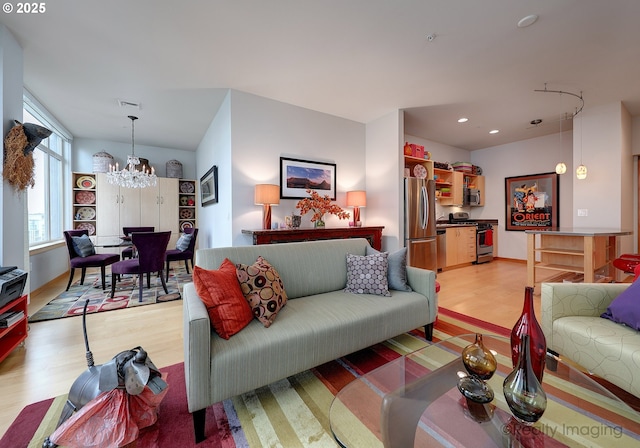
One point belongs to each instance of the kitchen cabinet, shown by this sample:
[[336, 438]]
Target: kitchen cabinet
[[461, 245], [410, 169], [476, 182], [159, 206], [449, 187], [572, 255]]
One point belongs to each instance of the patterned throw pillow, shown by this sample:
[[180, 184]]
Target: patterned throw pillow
[[263, 288], [367, 274], [220, 292], [183, 242], [83, 245]]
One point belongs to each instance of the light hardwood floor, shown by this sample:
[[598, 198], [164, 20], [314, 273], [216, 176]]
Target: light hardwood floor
[[54, 354]]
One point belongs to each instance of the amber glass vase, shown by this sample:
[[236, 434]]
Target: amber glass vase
[[528, 324], [522, 390], [478, 360]]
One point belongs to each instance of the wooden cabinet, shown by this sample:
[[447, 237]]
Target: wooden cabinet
[[410, 169], [14, 335], [476, 182], [573, 256], [84, 202], [449, 187], [118, 207], [461, 245], [372, 234]]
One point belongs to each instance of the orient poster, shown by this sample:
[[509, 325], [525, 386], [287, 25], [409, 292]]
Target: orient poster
[[532, 202]]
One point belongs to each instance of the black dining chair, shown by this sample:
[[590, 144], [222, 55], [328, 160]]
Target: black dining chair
[[90, 261], [186, 255], [127, 231], [151, 247]]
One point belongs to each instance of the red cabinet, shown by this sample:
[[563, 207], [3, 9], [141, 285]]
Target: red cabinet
[[14, 335]]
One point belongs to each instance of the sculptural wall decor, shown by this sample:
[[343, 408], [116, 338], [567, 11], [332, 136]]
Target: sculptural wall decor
[[19, 144]]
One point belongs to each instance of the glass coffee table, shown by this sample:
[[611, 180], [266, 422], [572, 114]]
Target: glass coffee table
[[413, 401]]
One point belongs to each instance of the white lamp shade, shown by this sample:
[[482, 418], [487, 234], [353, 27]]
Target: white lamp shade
[[267, 194], [561, 168], [356, 198], [581, 172]]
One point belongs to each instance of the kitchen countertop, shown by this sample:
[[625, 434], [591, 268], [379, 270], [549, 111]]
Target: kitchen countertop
[[569, 231], [443, 224]]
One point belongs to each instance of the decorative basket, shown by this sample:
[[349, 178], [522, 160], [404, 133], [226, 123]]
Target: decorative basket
[[101, 162], [174, 169]]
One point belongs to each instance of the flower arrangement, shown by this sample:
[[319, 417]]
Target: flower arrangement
[[319, 205]]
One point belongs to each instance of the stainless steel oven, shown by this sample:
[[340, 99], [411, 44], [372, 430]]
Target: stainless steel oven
[[484, 243]]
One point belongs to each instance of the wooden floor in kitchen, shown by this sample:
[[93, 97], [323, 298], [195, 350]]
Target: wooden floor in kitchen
[[54, 354]]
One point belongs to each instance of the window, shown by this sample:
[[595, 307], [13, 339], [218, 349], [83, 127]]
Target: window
[[46, 199]]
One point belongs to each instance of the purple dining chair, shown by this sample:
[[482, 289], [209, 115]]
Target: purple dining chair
[[89, 261], [151, 247], [186, 255], [127, 231]]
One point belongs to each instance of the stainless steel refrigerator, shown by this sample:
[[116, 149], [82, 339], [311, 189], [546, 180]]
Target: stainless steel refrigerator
[[420, 223]]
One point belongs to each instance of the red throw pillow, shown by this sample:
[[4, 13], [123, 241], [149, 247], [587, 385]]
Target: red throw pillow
[[220, 291]]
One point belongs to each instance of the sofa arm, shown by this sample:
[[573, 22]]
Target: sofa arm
[[197, 349], [574, 299], [423, 281]]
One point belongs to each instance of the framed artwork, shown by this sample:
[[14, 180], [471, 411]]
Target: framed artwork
[[209, 187], [296, 176], [532, 202]]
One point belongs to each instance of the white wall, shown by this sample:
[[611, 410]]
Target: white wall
[[263, 130], [384, 165], [214, 220], [85, 148]]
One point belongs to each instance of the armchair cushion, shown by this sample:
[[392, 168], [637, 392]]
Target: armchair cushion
[[625, 308], [83, 246], [263, 288], [183, 242], [220, 291], [367, 274]]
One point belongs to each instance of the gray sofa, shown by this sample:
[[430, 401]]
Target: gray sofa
[[571, 322], [319, 323]]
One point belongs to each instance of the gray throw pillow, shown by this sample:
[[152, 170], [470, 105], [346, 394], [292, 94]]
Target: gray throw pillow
[[83, 245], [183, 242], [397, 273], [367, 274]]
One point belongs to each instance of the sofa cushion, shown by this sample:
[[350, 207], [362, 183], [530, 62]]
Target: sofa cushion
[[367, 274], [220, 291], [83, 245], [625, 308], [263, 288], [397, 268]]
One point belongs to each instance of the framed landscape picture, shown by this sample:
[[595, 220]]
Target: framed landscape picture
[[296, 176], [532, 202], [209, 187]]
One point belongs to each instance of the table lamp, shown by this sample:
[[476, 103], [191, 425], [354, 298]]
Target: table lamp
[[356, 199], [267, 195]]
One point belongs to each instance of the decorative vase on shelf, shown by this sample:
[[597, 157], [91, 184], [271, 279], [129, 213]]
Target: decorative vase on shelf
[[522, 390], [478, 360], [319, 223], [527, 324]]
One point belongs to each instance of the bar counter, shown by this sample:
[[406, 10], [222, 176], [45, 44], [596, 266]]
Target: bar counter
[[580, 254]]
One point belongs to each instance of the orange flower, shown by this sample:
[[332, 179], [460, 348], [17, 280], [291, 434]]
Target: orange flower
[[319, 205]]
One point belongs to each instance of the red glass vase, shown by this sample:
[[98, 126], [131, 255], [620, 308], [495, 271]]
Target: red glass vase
[[528, 324]]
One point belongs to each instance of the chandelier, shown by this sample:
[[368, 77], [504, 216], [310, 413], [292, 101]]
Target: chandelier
[[130, 176]]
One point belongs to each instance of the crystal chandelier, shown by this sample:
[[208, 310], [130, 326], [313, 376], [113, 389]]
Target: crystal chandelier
[[130, 176]]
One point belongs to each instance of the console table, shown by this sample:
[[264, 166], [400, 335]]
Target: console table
[[373, 234]]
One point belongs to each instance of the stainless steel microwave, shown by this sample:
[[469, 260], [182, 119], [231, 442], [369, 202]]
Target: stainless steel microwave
[[472, 196]]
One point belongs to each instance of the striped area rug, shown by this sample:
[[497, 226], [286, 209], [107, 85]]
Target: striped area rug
[[293, 412]]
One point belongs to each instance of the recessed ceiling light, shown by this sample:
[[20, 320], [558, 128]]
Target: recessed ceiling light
[[462, 120], [527, 21], [494, 131]]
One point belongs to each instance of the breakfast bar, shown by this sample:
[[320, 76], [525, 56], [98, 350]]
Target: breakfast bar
[[575, 254]]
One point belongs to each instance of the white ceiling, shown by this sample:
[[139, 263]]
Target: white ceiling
[[357, 59]]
